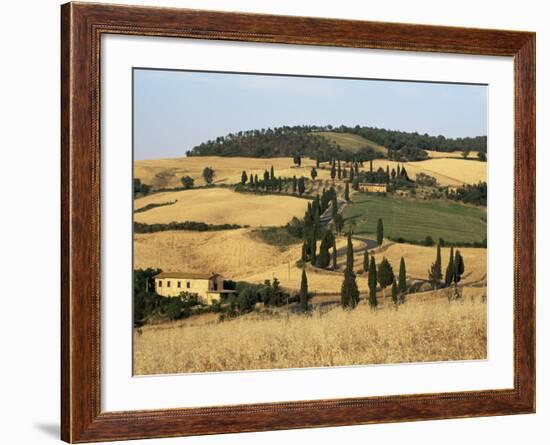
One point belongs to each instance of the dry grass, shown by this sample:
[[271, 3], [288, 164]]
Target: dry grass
[[451, 154], [431, 331], [221, 206], [167, 173]]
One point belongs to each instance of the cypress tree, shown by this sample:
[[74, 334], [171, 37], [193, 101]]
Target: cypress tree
[[370, 165], [346, 192], [251, 182], [404, 174], [272, 173], [373, 302], [385, 275], [398, 171], [402, 284], [339, 170], [334, 257], [313, 247], [435, 270], [450, 272], [317, 162], [387, 174], [344, 172], [301, 186], [280, 184], [294, 184], [393, 174], [458, 266], [394, 293], [333, 172], [349, 253], [256, 183], [323, 260], [304, 252], [350, 291], [351, 175], [313, 173], [380, 232], [303, 292], [244, 178], [366, 261], [334, 205]]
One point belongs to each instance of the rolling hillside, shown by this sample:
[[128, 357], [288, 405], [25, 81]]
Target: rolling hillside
[[351, 142]]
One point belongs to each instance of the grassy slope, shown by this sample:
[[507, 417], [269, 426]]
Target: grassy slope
[[415, 219], [351, 142]]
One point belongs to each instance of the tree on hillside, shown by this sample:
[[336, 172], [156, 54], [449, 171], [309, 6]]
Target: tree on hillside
[[294, 184], [385, 275], [346, 192], [450, 272], [339, 170], [339, 223], [349, 292], [313, 173], [373, 302], [334, 257], [272, 173], [370, 166], [251, 180], [313, 247], [334, 205], [187, 182], [301, 186], [323, 260], [208, 174], [297, 160], [404, 174], [393, 173], [465, 153], [333, 172], [458, 266], [266, 177], [434, 273], [280, 184], [304, 252], [402, 283], [394, 293], [351, 175], [387, 174], [482, 156], [317, 162], [380, 232], [244, 178], [366, 260], [303, 292], [256, 182]]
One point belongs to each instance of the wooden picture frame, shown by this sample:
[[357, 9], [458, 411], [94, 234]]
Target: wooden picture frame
[[82, 26]]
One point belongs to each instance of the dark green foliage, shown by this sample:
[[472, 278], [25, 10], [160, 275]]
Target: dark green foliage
[[139, 188], [434, 274], [450, 271], [349, 292], [313, 173], [351, 175], [272, 173], [380, 232], [346, 192], [334, 205], [188, 182], [482, 156], [373, 301], [208, 174], [173, 308], [394, 293], [153, 205], [471, 194], [303, 292], [333, 172], [402, 283], [244, 178], [385, 274], [301, 186], [339, 170], [458, 266], [349, 253], [294, 184], [187, 225], [339, 223], [297, 159], [366, 260], [323, 260], [334, 258]]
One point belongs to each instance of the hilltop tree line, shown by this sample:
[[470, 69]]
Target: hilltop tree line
[[303, 140]]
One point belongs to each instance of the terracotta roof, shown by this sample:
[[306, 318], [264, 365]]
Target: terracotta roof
[[184, 275]]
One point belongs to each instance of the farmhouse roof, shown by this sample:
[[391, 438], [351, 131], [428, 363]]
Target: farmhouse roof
[[189, 275]]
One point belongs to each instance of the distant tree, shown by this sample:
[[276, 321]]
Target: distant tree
[[313, 247], [297, 160], [187, 182], [303, 292], [404, 174], [339, 170], [272, 173], [385, 275], [349, 253], [465, 153], [373, 302], [251, 180], [387, 174], [323, 260], [346, 192], [402, 283], [266, 177], [380, 232], [339, 223], [351, 175], [450, 272], [244, 178], [393, 173], [256, 183], [349, 292], [317, 162], [482, 156], [334, 205], [304, 252], [301, 186], [280, 184], [366, 260], [370, 166], [140, 188], [208, 174], [334, 257], [434, 273], [333, 172], [294, 184], [313, 173]]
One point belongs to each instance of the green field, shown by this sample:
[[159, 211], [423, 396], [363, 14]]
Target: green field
[[350, 142], [414, 220]]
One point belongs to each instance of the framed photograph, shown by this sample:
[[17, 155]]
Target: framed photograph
[[274, 222]]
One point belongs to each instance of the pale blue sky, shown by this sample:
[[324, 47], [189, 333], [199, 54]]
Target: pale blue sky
[[176, 110]]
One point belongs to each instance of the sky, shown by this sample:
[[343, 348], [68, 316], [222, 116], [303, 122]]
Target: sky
[[177, 110]]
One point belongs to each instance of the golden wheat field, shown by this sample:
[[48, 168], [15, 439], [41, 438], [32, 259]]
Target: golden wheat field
[[451, 154], [221, 206], [422, 332]]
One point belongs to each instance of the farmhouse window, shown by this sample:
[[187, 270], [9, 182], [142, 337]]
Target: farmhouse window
[[160, 283], [188, 284], [179, 284], [168, 284]]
